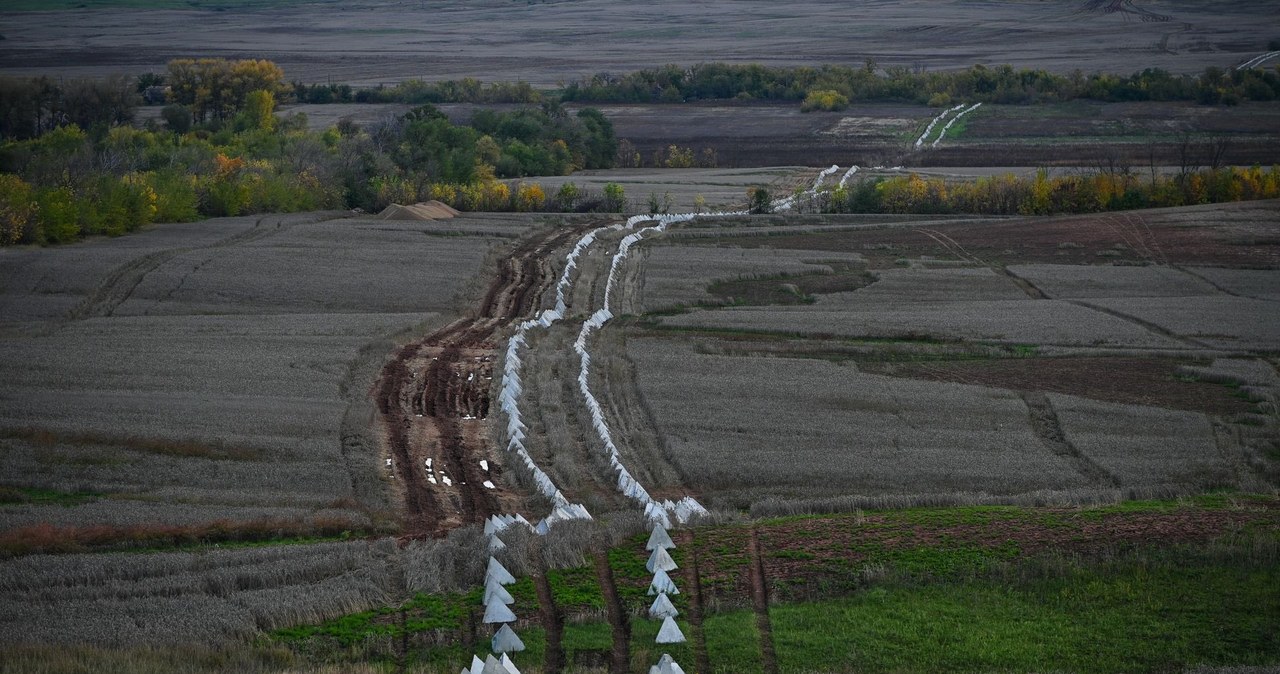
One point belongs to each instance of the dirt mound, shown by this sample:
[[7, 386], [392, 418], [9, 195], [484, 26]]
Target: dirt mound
[[427, 210]]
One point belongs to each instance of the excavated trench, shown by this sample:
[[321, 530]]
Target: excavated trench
[[433, 399]]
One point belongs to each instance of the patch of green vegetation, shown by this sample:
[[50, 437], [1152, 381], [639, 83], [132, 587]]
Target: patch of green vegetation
[[1120, 618], [37, 496], [788, 289], [793, 554], [576, 588]]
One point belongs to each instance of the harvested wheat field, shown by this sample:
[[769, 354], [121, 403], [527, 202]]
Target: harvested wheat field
[[968, 364]]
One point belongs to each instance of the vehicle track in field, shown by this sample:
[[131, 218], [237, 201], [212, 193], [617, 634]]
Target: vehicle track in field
[[118, 286], [433, 399]]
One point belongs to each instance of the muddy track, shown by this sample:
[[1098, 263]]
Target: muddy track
[[760, 603], [702, 663], [433, 399], [619, 623]]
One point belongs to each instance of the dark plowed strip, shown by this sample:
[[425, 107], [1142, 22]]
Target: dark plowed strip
[[433, 397]]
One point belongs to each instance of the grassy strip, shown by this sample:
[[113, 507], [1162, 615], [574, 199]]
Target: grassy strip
[[924, 589], [1121, 617], [36, 496], [46, 538], [1141, 612], [191, 448]]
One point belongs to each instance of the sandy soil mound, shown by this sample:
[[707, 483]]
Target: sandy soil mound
[[427, 210]]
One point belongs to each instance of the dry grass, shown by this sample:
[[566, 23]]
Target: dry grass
[[207, 597]]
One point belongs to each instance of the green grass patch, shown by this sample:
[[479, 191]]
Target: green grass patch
[[36, 496], [788, 289], [1123, 618]]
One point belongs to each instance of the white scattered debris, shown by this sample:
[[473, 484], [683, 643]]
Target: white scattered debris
[[484, 465], [446, 480], [488, 484]]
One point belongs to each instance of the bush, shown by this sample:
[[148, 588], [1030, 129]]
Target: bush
[[760, 200], [940, 100], [827, 100], [615, 199], [59, 215], [567, 197], [16, 208]]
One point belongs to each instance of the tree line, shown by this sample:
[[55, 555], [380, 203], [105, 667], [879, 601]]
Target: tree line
[[224, 152], [1044, 194], [999, 84], [212, 90]]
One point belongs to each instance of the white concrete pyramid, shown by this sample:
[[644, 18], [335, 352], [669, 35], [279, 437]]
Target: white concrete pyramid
[[493, 666], [666, 665], [494, 589], [499, 573], [495, 611], [662, 607], [496, 544], [659, 539], [662, 583], [508, 665], [660, 560], [670, 632], [477, 666], [505, 640]]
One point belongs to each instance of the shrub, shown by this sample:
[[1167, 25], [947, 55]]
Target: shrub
[[615, 198], [940, 100], [59, 215], [530, 197], [567, 197], [16, 208], [825, 99], [760, 200]]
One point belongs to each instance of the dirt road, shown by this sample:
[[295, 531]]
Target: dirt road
[[433, 399]]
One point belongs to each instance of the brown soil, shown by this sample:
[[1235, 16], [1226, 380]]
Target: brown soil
[[702, 662], [552, 621], [433, 399], [1138, 381], [760, 603], [619, 624]]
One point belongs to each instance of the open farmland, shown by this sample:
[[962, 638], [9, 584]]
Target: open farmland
[[377, 41], [1046, 359], [205, 382]]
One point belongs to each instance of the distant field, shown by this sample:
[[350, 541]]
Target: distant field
[[208, 5], [213, 374], [379, 41]]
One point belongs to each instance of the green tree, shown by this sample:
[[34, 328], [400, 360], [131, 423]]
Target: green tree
[[615, 198]]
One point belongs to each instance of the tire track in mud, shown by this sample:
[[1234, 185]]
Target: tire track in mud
[[433, 399]]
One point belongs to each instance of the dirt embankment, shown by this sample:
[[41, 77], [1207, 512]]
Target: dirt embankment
[[433, 399]]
